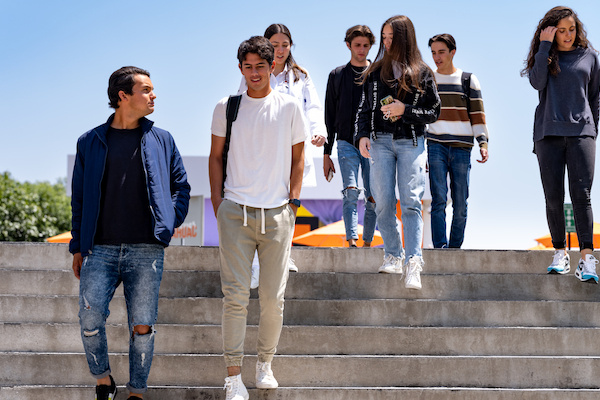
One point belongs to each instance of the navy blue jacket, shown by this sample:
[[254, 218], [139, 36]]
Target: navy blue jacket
[[166, 181]]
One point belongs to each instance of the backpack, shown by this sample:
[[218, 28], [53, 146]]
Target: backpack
[[233, 105]]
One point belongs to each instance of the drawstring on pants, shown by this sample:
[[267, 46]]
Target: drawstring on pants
[[263, 229]]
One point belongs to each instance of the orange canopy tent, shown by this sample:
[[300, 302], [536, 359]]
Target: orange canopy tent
[[333, 235], [547, 240], [62, 238]]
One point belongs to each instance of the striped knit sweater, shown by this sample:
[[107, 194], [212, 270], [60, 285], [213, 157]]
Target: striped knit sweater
[[454, 127]]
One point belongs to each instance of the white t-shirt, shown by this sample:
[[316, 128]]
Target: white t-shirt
[[260, 150], [305, 92]]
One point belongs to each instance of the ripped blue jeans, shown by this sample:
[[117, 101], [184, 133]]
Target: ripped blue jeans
[[140, 268], [350, 160]]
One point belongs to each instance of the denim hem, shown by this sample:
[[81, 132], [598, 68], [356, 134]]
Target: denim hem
[[102, 375], [136, 390]]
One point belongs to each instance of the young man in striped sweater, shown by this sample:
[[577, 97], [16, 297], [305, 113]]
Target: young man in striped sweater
[[450, 140]]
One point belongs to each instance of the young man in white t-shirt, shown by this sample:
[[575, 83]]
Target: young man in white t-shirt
[[258, 209]]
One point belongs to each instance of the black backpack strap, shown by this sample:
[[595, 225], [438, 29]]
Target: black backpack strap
[[466, 87], [233, 105]]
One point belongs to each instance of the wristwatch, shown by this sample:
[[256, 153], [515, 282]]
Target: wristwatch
[[295, 202]]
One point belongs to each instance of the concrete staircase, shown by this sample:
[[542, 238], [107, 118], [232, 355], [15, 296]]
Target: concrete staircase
[[487, 325]]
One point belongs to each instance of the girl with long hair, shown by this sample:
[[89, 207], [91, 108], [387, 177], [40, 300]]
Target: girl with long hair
[[399, 98], [563, 67]]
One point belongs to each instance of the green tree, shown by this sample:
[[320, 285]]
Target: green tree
[[32, 212]]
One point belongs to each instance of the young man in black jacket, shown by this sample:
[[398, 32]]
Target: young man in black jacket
[[341, 103]]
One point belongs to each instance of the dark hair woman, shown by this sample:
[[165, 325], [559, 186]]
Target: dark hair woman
[[564, 68]]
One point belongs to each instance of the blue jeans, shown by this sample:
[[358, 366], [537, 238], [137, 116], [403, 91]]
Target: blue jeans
[[350, 160], [402, 161], [444, 161], [140, 268]]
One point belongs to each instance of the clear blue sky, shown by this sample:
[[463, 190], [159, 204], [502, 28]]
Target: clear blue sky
[[57, 57]]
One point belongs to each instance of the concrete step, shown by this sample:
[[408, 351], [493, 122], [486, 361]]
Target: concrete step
[[326, 371], [336, 286], [317, 340], [487, 325], [313, 393], [308, 259], [388, 312]]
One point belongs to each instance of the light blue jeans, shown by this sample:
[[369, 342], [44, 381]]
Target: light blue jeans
[[399, 162], [350, 160], [140, 268]]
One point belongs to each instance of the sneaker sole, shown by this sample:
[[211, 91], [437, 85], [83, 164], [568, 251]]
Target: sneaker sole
[[383, 271], [266, 386], [587, 279], [554, 271], [413, 287]]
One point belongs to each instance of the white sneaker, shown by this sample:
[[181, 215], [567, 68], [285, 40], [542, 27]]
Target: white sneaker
[[254, 278], [586, 269], [235, 388], [561, 263], [292, 265], [391, 265], [413, 273], [264, 376]]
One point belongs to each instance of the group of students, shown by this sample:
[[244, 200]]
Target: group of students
[[352, 90], [379, 112]]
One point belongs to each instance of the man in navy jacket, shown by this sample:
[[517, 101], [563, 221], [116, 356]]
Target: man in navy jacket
[[129, 193]]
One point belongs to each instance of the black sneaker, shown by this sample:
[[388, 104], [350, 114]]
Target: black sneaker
[[105, 392]]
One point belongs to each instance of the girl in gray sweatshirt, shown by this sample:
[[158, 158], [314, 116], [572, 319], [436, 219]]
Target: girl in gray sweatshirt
[[564, 68]]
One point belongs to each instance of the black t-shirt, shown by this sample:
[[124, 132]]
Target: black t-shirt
[[125, 215]]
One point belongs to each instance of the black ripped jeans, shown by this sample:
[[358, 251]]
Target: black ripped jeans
[[578, 155]]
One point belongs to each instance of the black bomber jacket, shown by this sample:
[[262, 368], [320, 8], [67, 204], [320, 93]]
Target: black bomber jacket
[[422, 107]]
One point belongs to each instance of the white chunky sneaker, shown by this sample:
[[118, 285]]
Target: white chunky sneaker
[[586, 269], [391, 265], [413, 273], [264, 376], [255, 273], [561, 263], [235, 388], [292, 265]]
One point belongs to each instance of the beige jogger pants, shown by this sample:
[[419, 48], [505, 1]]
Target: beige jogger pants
[[240, 234]]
